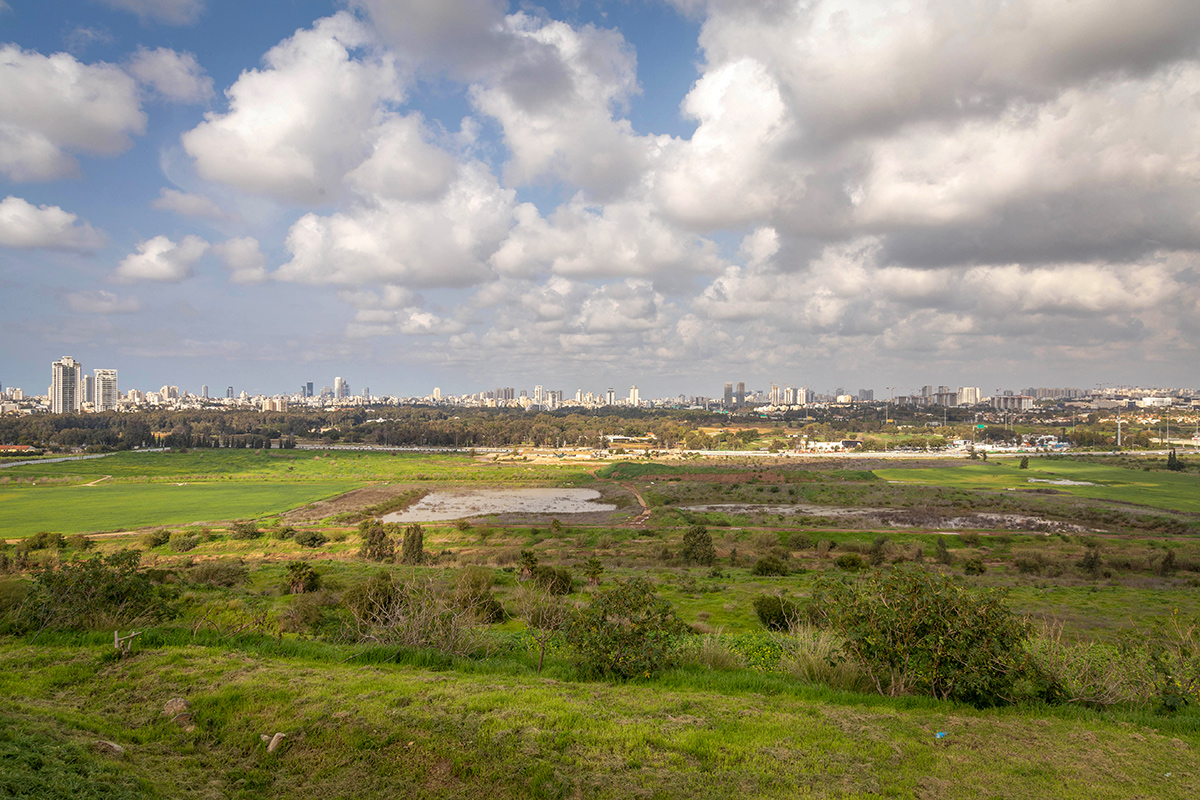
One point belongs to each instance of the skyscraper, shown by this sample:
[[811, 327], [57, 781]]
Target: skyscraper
[[339, 388], [741, 394], [66, 386], [610, 397], [106, 389], [729, 395], [634, 399]]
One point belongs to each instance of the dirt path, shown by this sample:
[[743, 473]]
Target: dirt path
[[98, 480], [640, 520]]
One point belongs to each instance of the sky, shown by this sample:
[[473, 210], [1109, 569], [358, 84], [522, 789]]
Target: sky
[[583, 194]]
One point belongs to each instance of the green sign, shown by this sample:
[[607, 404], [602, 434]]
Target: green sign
[[980, 427]]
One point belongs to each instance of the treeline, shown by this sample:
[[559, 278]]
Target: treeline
[[397, 427]]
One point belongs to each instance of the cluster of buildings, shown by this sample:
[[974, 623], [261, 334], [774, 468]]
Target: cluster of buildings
[[73, 390]]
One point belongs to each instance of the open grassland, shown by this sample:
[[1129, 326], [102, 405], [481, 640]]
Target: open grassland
[[108, 507], [1161, 489], [130, 490], [377, 730], [295, 465]]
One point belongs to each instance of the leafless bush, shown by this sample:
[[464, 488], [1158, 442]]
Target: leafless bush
[[413, 612]]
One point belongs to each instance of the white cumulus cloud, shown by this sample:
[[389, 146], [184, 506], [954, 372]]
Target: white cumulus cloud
[[243, 259], [25, 225], [177, 77], [162, 260], [53, 106], [295, 128]]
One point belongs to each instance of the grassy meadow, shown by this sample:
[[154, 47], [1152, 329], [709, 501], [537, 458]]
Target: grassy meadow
[[1159, 489], [743, 712]]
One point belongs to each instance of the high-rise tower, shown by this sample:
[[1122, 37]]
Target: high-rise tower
[[106, 389], [66, 386]]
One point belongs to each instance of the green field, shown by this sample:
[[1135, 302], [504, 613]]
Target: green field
[[293, 465], [107, 507], [1176, 491], [133, 489]]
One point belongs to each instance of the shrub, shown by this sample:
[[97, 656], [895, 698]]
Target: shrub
[[851, 562], [44, 540], [974, 566], [474, 593], [377, 542], [283, 532], [916, 631], [970, 538], [244, 529], [218, 573], [156, 538], [301, 577], [553, 580], [776, 613], [1166, 567], [698, 546], [1090, 563], [183, 542], [800, 541], [98, 592], [310, 538], [412, 613], [879, 551], [413, 549], [770, 566], [626, 631], [941, 552], [81, 542]]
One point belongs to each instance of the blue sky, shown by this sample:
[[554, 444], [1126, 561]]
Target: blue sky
[[474, 193]]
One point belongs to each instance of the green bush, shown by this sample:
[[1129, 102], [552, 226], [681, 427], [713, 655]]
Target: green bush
[[218, 573], [800, 541], [552, 580], [156, 538], [301, 577], [920, 632], [183, 542], [627, 631], [851, 562], [81, 542], [44, 540], [310, 538], [974, 566], [698, 546], [244, 529], [474, 593], [98, 592], [941, 552], [283, 532], [770, 565], [776, 613]]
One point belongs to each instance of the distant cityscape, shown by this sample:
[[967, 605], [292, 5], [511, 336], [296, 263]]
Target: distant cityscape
[[74, 390]]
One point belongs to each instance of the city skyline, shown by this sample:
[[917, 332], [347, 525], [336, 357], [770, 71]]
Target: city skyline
[[472, 193]]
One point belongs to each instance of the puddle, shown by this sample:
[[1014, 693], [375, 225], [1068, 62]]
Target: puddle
[[457, 504], [1062, 482]]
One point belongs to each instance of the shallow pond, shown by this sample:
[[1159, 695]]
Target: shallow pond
[[456, 504]]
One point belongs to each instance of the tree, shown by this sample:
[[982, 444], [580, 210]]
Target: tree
[[698, 546], [941, 552], [413, 551], [377, 544], [1024, 463], [545, 615]]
